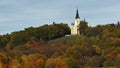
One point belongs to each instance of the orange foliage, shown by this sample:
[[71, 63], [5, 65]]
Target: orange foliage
[[40, 62], [14, 64], [2, 65], [111, 55], [60, 63]]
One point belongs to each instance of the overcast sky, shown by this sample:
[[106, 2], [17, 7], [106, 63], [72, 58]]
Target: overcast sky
[[16, 15]]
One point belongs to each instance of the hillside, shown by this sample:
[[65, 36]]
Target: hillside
[[28, 35], [66, 40], [48, 47]]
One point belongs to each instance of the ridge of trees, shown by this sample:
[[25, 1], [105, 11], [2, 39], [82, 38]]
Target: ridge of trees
[[97, 46], [45, 32]]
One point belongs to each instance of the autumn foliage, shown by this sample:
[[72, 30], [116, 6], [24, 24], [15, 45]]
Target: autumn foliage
[[47, 47]]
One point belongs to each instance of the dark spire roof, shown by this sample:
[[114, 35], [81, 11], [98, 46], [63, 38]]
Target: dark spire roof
[[77, 15]]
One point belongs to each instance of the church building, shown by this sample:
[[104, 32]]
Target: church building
[[75, 25]]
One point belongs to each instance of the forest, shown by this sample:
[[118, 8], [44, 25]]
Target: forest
[[47, 47]]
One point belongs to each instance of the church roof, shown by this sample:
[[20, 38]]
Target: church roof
[[77, 15]]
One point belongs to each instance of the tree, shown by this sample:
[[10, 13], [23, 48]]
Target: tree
[[71, 63], [83, 28], [74, 52], [40, 62], [4, 39], [16, 38], [118, 23], [60, 63], [14, 64], [50, 63]]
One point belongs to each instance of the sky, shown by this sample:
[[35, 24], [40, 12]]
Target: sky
[[15, 15]]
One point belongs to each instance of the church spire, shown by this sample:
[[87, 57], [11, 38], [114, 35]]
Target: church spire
[[77, 15]]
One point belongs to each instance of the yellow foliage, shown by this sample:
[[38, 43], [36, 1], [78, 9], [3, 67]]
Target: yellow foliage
[[14, 64], [60, 63], [33, 61], [118, 56], [97, 49]]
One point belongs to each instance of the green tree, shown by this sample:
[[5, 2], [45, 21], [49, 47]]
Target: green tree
[[83, 28]]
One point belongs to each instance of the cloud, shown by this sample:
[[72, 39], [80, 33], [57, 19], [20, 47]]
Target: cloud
[[20, 14]]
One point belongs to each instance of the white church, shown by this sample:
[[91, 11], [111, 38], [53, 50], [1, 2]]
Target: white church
[[75, 25]]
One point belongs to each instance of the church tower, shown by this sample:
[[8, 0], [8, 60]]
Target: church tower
[[75, 25]]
